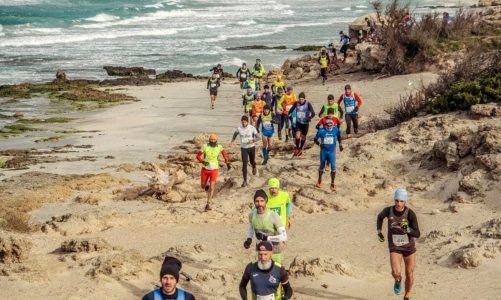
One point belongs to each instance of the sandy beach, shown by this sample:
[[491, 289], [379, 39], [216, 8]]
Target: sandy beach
[[332, 253]]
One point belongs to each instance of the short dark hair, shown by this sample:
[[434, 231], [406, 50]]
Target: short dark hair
[[266, 86], [330, 97], [244, 118], [330, 111]]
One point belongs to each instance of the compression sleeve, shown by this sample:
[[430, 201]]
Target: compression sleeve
[[244, 281], [281, 237], [321, 112], [381, 216], [311, 109], [413, 223], [200, 156], [235, 134], [226, 157], [208, 83], [258, 123], [250, 229], [359, 100], [293, 108], [284, 279]]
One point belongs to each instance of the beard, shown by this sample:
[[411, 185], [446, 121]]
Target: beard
[[264, 266]]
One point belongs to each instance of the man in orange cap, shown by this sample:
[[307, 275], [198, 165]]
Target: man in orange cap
[[208, 156]]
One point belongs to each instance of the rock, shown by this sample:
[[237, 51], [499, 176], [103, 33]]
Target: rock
[[486, 110], [257, 47], [317, 266], [85, 245], [491, 229], [473, 182], [466, 140], [138, 81], [174, 74], [484, 3], [297, 73], [117, 265], [60, 78], [13, 249], [308, 48], [128, 71], [372, 56], [467, 257]]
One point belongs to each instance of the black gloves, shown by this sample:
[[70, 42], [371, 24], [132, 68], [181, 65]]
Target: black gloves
[[261, 236], [228, 166], [380, 237], [341, 148], [247, 243]]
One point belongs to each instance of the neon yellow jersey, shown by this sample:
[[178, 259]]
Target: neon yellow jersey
[[278, 204], [211, 155], [323, 62]]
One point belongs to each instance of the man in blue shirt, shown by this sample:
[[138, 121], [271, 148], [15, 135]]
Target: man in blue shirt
[[326, 138]]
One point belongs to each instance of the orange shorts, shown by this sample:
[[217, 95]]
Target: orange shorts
[[205, 175]]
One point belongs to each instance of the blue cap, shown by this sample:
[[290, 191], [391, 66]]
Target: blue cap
[[401, 194]]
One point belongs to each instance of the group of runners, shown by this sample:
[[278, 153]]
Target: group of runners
[[270, 218]]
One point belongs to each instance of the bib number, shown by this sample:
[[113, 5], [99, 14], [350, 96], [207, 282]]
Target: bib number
[[350, 109], [267, 125], [267, 297], [301, 115], [400, 239], [329, 140], [247, 140], [213, 85]]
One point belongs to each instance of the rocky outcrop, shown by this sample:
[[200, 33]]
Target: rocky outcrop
[[467, 257], [486, 110], [372, 56], [484, 3], [13, 249], [60, 78], [85, 245], [308, 48], [257, 47], [128, 71], [304, 67], [172, 75]]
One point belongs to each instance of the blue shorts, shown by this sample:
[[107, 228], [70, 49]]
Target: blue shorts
[[329, 156]]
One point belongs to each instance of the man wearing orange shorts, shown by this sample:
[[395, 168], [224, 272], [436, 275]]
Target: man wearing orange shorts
[[208, 156]]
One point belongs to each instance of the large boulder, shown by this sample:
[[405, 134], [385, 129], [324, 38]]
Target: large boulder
[[372, 56], [295, 74], [173, 74], [125, 71], [60, 77]]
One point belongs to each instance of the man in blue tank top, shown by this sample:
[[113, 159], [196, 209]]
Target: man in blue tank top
[[326, 138], [169, 278]]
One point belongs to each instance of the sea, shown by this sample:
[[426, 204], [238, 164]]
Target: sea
[[38, 37]]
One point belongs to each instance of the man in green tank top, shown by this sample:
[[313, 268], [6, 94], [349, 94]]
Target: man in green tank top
[[266, 225]]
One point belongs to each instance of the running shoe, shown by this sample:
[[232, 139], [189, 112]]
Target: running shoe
[[397, 288], [318, 185], [207, 187], [244, 184], [254, 171], [208, 207], [333, 187]]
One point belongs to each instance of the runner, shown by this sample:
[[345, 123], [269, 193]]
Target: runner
[[279, 201], [326, 139], [218, 70], [333, 56], [212, 85], [323, 61], [247, 99], [251, 83], [288, 101], [304, 114], [352, 103], [266, 276], [345, 41], [267, 96], [248, 134], [330, 116], [258, 72], [403, 230], [277, 107], [208, 155], [278, 83], [257, 108], [267, 130], [266, 225], [242, 74], [169, 278]]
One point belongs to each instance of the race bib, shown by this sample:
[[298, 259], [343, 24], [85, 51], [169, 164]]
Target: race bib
[[213, 85], [301, 114], [247, 140], [329, 140], [211, 166], [267, 125], [243, 75], [267, 297], [400, 239], [350, 109]]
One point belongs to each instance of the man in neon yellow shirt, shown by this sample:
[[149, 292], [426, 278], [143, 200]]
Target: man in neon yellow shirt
[[279, 201]]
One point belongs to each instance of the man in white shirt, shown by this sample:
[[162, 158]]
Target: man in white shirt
[[248, 135]]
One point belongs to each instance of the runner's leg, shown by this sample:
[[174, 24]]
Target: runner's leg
[[410, 262], [245, 160]]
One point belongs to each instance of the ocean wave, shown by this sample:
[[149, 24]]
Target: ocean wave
[[100, 18], [20, 2], [346, 8], [79, 37], [360, 6], [156, 5], [247, 23]]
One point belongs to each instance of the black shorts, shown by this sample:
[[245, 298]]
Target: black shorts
[[303, 128], [243, 80], [213, 92], [405, 253], [344, 48]]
